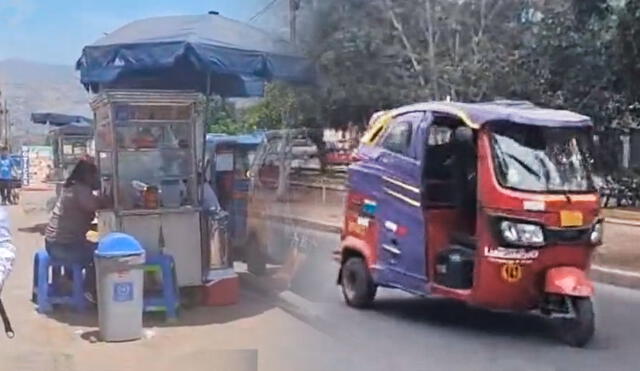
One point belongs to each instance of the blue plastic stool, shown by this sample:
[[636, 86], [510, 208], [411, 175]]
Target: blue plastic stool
[[46, 275], [168, 300]]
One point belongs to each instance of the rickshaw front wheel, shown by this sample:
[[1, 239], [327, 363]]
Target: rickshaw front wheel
[[578, 331], [358, 287]]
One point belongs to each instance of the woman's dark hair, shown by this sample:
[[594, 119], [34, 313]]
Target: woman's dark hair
[[79, 173]]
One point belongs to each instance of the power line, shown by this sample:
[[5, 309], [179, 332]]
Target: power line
[[263, 10]]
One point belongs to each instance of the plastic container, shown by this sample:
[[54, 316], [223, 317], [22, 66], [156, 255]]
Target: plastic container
[[170, 193], [222, 288], [119, 267]]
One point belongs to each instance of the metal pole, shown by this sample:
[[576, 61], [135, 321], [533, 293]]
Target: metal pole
[[293, 8], [7, 128]]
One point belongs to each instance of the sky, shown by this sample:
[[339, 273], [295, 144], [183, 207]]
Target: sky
[[54, 31]]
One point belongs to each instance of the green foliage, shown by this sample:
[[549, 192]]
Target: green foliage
[[283, 107], [575, 54]]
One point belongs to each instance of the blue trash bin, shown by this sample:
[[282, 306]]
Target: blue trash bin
[[119, 263]]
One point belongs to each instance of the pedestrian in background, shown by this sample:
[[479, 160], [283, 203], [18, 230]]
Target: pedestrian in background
[[6, 175]]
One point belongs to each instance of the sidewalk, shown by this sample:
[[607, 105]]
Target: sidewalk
[[311, 208], [255, 332], [616, 262]]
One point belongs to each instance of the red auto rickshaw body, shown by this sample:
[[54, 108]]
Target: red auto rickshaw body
[[395, 222]]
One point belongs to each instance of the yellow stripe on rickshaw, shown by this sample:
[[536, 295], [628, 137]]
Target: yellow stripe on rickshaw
[[406, 186], [402, 197]]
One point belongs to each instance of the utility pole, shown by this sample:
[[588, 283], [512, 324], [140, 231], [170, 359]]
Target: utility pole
[[4, 121], [294, 6]]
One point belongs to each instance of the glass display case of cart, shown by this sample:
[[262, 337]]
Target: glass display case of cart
[[151, 148], [147, 150]]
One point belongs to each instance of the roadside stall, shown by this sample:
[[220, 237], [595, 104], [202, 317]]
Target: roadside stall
[[147, 153], [70, 140], [150, 141]]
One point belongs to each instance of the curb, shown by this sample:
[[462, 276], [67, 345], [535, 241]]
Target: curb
[[621, 214], [290, 302], [307, 223], [331, 187], [615, 277], [600, 274], [628, 222]]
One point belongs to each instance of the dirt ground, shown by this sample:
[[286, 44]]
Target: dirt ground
[[253, 333]]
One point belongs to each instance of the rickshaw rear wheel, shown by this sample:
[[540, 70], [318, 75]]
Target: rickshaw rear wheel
[[358, 287], [578, 331]]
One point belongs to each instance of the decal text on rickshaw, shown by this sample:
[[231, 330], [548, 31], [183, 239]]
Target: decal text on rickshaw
[[504, 253]]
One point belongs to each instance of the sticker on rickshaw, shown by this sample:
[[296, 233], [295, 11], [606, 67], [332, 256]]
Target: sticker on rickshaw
[[503, 253], [357, 228], [571, 218], [363, 221], [511, 272]]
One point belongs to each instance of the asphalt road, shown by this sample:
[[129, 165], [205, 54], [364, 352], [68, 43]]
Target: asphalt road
[[407, 333]]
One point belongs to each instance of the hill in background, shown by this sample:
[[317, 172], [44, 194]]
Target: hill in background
[[35, 87]]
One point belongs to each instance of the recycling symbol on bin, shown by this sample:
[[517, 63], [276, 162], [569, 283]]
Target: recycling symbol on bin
[[123, 291]]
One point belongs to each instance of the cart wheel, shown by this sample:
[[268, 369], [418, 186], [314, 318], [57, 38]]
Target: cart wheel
[[358, 287], [255, 257], [578, 331]]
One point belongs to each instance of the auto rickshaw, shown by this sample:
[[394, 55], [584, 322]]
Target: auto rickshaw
[[229, 158], [491, 204]]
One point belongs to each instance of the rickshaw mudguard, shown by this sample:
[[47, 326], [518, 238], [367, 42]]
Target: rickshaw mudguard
[[569, 281], [359, 246]]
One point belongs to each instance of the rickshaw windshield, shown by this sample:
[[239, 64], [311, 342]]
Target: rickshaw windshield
[[542, 159]]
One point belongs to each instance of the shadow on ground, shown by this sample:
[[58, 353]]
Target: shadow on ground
[[249, 305], [457, 316]]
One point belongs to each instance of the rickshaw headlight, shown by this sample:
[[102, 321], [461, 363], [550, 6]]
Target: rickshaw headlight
[[522, 233], [596, 234]]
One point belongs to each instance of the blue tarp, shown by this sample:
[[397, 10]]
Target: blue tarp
[[179, 52], [75, 128], [59, 119]]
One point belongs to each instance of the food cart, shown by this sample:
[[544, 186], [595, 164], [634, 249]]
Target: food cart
[[148, 144], [70, 140]]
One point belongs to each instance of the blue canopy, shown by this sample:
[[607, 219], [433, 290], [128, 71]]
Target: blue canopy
[[59, 119], [74, 128], [181, 52], [244, 140]]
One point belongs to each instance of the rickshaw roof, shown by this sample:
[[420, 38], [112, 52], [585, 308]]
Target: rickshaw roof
[[241, 140], [519, 112], [76, 128]]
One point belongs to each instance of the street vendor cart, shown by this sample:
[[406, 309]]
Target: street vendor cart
[[70, 139], [147, 145]]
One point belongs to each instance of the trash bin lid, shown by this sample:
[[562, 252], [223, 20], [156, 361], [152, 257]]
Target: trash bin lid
[[118, 244]]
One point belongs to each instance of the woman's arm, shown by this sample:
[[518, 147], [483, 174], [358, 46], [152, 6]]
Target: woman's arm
[[7, 250], [87, 201]]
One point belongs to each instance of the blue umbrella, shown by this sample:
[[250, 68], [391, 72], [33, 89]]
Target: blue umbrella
[[208, 53]]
